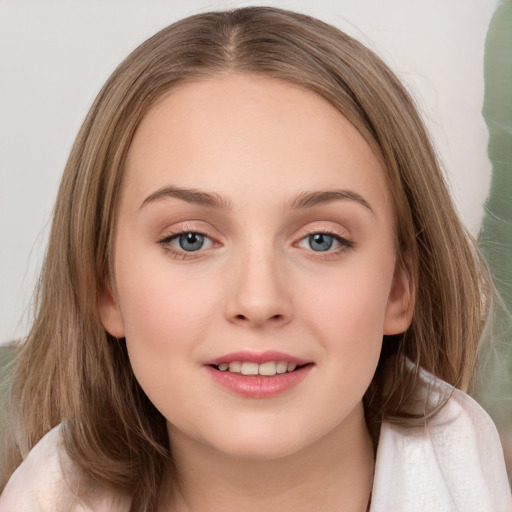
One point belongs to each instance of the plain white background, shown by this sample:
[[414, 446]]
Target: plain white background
[[56, 54]]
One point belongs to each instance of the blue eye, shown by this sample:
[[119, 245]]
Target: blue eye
[[320, 242], [323, 242], [188, 241], [191, 241]]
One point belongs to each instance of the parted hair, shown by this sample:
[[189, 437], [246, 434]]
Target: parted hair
[[69, 370]]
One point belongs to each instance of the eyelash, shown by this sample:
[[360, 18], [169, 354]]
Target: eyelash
[[344, 243], [181, 254]]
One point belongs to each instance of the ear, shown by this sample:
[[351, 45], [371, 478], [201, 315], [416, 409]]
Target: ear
[[400, 306], [110, 313]]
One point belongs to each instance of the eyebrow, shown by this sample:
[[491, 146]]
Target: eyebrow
[[317, 198], [213, 200], [190, 195]]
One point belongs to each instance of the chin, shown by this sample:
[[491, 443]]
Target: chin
[[260, 442], [260, 449]]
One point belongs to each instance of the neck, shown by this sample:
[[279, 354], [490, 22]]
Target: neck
[[333, 474]]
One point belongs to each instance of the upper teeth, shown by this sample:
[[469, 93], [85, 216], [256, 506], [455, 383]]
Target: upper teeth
[[270, 368]]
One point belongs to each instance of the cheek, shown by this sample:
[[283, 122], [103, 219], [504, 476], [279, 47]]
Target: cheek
[[165, 312], [166, 319], [346, 311]]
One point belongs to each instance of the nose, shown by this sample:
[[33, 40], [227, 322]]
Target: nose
[[260, 294]]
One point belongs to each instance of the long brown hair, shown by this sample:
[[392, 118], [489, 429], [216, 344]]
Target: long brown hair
[[70, 370]]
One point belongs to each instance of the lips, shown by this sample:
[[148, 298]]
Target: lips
[[258, 374], [257, 357], [248, 368]]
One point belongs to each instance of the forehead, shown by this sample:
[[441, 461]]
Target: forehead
[[237, 134]]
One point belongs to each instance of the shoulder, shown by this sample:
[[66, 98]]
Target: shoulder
[[48, 481], [454, 462]]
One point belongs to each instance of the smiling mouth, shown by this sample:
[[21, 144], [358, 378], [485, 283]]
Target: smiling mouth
[[258, 375], [267, 369]]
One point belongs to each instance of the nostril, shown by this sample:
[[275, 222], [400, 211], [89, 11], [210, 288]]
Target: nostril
[[273, 318]]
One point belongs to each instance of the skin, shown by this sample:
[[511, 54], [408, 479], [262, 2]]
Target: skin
[[257, 284]]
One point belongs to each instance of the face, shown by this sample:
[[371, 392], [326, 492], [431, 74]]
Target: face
[[254, 236]]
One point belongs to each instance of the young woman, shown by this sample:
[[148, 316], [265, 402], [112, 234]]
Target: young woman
[[257, 294]]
